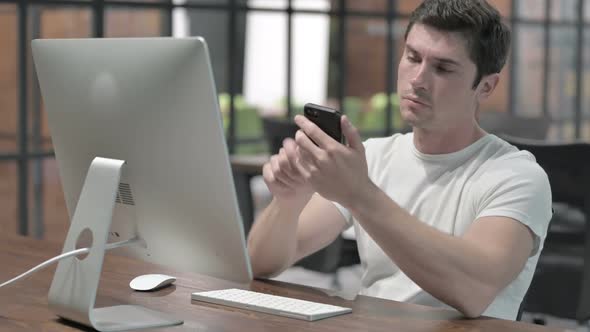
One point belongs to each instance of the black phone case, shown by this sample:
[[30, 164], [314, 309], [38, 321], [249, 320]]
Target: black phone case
[[326, 118]]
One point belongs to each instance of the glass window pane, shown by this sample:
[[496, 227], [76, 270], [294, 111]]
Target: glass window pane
[[529, 70], [213, 26], [274, 4], [366, 58], [503, 6], [530, 9], [564, 10], [399, 29], [8, 78], [498, 101], [585, 129], [265, 73], [367, 6], [265, 65], [586, 86], [407, 7], [319, 5], [50, 22], [204, 2], [134, 22], [60, 22], [562, 81], [310, 53], [8, 197], [48, 215], [227, 2], [142, 0]]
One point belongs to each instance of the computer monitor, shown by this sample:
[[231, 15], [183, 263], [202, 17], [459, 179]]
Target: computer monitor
[[151, 102]]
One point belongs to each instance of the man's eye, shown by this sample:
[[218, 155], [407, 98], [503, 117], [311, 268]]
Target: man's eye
[[442, 70], [412, 58]]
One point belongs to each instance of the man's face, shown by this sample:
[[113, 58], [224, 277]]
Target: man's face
[[435, 79]]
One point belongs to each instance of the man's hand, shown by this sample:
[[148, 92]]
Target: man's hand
[[335, 171], [284, 179]]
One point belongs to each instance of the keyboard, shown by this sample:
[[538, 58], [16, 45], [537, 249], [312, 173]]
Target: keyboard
[[270, 304]]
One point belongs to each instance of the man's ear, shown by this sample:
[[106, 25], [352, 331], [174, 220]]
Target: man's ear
[[487, 85]]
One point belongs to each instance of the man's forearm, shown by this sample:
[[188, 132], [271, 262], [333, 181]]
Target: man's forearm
[[271, 242], [451, 269]]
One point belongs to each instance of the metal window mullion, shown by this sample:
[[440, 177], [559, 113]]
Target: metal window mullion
[[579, 70], [342, 51], [31, 155], [513, 59], [546, 57], [230, 75], [98, 19], [560, 23], [45, 2], [23, 166], [389, 67], [166, 27], [38, 187], [289, 57]]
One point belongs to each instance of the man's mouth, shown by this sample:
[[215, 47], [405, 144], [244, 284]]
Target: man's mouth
[[416, 100]]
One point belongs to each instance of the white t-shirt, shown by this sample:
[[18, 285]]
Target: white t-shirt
[[449, 192]]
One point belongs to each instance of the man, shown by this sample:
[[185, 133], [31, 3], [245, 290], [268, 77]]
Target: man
[[446, 215]]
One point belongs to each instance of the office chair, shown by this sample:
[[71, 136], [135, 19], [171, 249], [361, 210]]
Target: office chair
[[276, 130], [503, 123], [328, 259], [561, 284]]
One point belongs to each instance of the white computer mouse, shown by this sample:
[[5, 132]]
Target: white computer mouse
[[149, 282]]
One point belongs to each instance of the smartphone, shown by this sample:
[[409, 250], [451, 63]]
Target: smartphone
[[326, 118]]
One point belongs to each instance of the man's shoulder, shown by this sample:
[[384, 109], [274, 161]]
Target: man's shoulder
[[507, 156], [507, 162]]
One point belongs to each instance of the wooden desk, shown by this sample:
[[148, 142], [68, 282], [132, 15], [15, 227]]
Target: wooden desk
[[249, 164], [23, 305]]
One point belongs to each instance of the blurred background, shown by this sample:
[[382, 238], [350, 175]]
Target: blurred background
[[270, 57]]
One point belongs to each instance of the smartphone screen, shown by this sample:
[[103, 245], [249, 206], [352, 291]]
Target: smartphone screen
[[326, 118]]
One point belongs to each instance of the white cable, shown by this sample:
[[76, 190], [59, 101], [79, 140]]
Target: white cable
[[76, 252]]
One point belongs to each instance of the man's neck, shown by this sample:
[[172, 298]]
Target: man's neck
[[441, 142]]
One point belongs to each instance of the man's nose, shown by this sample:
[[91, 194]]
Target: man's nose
[[420, 79]]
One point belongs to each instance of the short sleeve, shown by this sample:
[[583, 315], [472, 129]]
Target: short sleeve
[[517, 188], [345, 213]]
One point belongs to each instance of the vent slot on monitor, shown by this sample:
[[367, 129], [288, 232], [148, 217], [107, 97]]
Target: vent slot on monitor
[[125, 195]]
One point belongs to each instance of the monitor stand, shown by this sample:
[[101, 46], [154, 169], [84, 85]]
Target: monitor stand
[[73, 290]]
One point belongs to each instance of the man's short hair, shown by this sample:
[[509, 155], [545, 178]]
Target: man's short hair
[[488, 38]]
